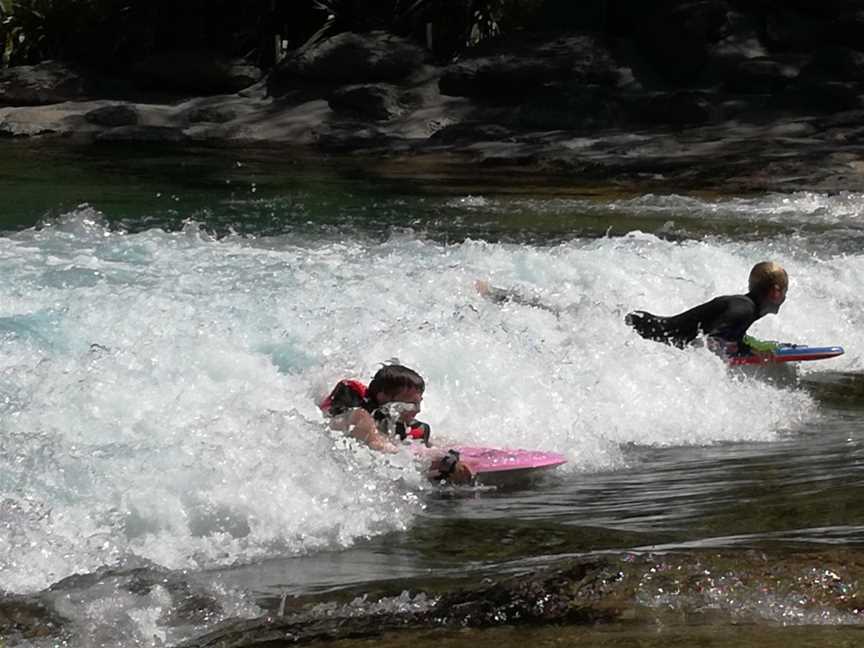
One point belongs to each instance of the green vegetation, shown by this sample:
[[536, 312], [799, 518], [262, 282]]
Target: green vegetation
[[113, 34]]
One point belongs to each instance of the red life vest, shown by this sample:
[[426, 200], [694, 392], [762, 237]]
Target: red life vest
[[348, 394], [343, 396]]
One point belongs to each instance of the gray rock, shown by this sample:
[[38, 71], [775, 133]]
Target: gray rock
[[24, 617], [211, 114], [45, 83], [524, 69], [25, 128], [349, 57], [374, 101], [116, 115]]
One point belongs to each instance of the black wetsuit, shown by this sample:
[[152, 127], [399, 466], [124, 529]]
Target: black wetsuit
[[724, 318]]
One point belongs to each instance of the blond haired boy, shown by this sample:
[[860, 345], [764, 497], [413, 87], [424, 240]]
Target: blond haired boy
[[725, 319]]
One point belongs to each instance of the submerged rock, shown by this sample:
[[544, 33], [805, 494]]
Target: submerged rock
[[29, 618], [378, 102]]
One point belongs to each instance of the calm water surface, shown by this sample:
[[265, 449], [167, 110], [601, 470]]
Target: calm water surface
[[168, 318]]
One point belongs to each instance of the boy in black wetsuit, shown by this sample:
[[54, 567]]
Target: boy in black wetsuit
[[723, 320]]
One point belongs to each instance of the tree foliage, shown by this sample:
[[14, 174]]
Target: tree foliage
[[112, 34]]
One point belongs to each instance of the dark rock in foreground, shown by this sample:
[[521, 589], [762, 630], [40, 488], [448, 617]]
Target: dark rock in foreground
[[637, 588], [23, 618]]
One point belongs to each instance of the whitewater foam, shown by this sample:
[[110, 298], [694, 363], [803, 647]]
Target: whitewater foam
[[157, 389]]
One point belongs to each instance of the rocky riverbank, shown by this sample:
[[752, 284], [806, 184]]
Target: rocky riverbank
[[716, 588], [717, 100]]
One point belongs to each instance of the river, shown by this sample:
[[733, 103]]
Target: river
[[169, 318]]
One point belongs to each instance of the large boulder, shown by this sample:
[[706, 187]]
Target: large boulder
[[28, 618], [194, 72], [378, 102], [520, 72], [45, 83], [113, 115], [352, 58]]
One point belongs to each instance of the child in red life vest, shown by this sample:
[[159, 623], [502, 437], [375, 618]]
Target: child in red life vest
[[383, 414]]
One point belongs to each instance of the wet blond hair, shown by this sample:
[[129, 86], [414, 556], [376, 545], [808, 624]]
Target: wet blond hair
[[767, 274]]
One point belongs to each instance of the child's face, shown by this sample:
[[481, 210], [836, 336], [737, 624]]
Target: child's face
[[407, 395], [777, 295]]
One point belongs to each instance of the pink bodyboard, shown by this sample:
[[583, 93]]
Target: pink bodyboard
[[493, 460]]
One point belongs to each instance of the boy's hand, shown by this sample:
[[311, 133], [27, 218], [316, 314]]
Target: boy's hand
[[451, 469], [461, 474]]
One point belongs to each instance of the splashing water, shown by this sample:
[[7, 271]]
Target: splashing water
[[158, 389]]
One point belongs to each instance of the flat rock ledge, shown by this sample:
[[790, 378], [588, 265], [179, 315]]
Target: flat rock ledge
[[806, 152]]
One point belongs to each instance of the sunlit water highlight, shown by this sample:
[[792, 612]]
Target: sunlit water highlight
[[158, 388]]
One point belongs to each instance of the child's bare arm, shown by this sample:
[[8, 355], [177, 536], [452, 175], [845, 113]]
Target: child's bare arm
[[362, 427]]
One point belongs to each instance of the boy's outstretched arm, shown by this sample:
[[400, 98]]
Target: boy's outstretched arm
[[503, 295]]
